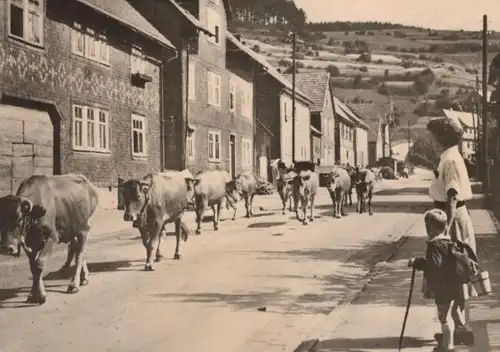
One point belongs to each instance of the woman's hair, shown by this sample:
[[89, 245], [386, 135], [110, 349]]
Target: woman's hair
[[447, 131]]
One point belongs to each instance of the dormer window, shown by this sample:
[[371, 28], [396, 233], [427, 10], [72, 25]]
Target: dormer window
[[213, 24], [138, 66]]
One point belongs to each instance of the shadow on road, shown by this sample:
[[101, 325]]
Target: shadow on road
[[369, 344], [260, 225]]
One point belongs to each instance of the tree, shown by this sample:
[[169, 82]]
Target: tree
[[333, 70]]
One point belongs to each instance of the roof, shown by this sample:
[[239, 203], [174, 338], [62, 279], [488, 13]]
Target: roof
[[267, 66], [357, 116], [341, 110], [314, 85], [466, 118], [123, 12], [190, 17]]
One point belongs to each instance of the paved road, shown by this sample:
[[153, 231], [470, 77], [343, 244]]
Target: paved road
[[209, 300]]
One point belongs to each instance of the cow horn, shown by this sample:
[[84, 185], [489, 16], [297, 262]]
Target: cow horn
[[26, 205]]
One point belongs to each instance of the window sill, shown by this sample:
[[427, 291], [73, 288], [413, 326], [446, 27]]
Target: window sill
[[92, 152], [214, 106], [142, 77], [96, 61], [214, 160], [26, 43], [140, 157], [217, 45]]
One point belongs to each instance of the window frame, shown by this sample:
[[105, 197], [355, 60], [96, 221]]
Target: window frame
[[214, 21], [232, 95], [212, 77], [246, 151], [138, 56], [84, 129], [90, 37], [144, 130], [26, 25], [246, 96], [190, 142], [213, 148]]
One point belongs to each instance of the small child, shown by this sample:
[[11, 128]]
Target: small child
[[439, 268]]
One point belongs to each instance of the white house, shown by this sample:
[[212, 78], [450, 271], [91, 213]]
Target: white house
[[302, 123], [469, 123]]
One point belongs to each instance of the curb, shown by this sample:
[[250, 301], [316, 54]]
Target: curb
[[338, 311]]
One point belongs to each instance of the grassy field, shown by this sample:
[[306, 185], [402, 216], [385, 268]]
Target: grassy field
[[395, 60]]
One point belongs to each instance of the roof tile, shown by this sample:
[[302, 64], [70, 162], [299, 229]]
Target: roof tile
[[314, 85]]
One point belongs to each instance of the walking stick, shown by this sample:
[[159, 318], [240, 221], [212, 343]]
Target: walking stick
[[407, 308]]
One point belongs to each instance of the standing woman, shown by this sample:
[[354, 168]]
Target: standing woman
[[450, 189]]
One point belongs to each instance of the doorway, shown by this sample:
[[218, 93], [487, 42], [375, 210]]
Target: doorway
[[232, 155]]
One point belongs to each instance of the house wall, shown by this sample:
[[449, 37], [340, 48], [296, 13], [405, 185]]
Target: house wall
[[328, 129], [372, 153], [53, 75], [316, 148], [345, 152], [286, 129], [361, 147], [302, 140]]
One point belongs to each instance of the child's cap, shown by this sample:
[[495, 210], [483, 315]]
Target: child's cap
[[436, 217]]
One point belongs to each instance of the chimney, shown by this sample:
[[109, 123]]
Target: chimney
[[238, 36]]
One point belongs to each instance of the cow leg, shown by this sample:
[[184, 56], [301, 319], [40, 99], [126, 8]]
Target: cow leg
[[178, 229], [80, 246], [290, 199], [304, 210], [163, 232], [69, 258], [216, 209], [283, 201], [311, 217], [247, 205], [370, 195], [251, 204], [152, 245], [342, 205], [235, 209], [201, 205], [185, 231]]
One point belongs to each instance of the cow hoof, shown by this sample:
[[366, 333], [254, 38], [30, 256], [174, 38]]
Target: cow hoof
[[158, 258], [84, 282], [148, 267], [304, 223], [338, 216], [72, 289], [283, 212], [198, 232], [216, 228], [177, 256], [233, 218], [36, 300], [370, 213], [247, 216], [311, 219]]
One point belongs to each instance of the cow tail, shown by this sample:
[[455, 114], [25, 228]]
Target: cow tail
[[255, 175]]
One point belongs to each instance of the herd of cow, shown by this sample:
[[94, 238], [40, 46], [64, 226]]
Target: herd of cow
[[47, 210]]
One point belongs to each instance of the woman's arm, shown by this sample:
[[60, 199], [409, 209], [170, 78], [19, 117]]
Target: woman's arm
[[451, 182]]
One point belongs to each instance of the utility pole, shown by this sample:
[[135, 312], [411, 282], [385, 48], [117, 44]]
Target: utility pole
[[477, 132], [486, 179], [409, 139], [391, 121], [294, 39]]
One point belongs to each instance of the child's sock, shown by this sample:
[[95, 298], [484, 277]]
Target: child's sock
[[447, 329]]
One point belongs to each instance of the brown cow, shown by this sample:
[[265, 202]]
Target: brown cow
[[338, 186], [284, 185], [47, 210], [246, 186], [305, 188], [364, 181], [210, 189], [154, 201]]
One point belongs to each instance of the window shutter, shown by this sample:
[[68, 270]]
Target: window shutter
[[210, 87]]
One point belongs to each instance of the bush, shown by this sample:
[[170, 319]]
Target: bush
[[333, 70], [386, 73], [365, 57], [298, 56], [451, 68], [380, 61], [310, 53], [363, 69], [382, 89], [285, 63], [399, 34], [299, 64], [256, 48]]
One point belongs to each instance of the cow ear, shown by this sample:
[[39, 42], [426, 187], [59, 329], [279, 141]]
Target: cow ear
[[306, 178], [290, 182], [196, 181], [37, 211], [145, 188]]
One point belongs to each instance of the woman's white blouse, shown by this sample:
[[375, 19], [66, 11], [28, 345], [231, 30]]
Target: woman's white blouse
[[452, 173]]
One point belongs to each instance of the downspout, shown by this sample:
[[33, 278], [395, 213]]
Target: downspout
[[162, 110], [185, 125]]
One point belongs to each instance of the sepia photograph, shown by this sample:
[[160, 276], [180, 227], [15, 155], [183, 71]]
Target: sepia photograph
[[249, 176]]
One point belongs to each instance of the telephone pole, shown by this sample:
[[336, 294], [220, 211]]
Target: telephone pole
[[485, 158], [294, 39]]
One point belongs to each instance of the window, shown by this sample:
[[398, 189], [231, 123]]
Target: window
[[285, 110], [246, 151], [192, 81], [213, 24], [190, 145], [137, 61], [347, 155], [213, 89], [232, 96], [90, 129], [214, 146], [138, 135], [362, 159], [246, 99], [26, 20], [88, 43]]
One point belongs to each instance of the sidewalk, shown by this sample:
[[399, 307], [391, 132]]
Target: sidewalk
[[372, 322]]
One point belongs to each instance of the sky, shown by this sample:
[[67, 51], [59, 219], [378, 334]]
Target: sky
[[435, 14]]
